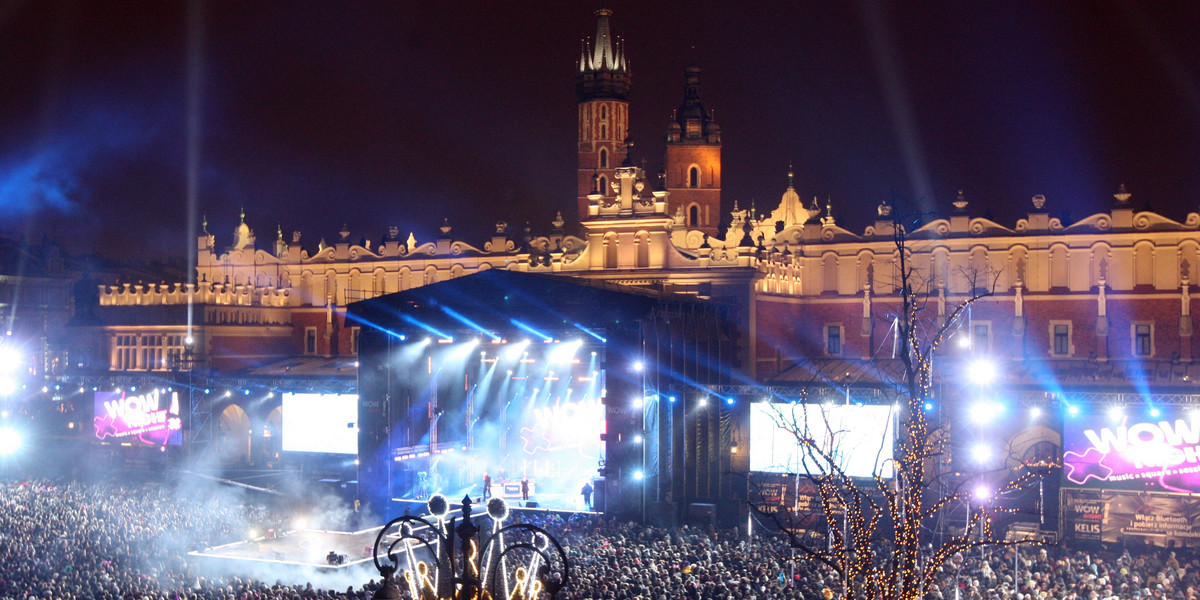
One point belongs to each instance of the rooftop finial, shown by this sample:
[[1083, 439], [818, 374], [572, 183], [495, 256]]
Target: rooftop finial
[[791, 175]]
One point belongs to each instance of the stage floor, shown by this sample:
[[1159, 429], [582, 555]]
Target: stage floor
[[301, 548]]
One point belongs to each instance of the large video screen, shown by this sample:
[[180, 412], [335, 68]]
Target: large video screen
[[859, 439], [325, 423], [1133, 448], [147, 419]]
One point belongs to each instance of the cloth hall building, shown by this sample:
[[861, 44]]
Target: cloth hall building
[[1099, 308]]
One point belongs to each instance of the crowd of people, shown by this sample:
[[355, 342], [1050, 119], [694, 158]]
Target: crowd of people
[[107, 541]]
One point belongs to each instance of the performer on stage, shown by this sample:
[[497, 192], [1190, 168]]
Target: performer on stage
[[487, 486], [587, 494], [525, 488]]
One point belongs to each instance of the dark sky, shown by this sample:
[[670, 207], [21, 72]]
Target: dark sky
[[404, 113]]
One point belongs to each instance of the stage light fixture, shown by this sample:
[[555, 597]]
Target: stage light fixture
[[1035, 412], [10, 441], [982, 493], [928, 406], [1154, 412], [1116, 412], [964, 341], [637, 439], [982, 371], [638, 366], [982, 412], [729, 401], [637, 402], [638, 475], [1072, 410], [8, 385], [10, 359], [671, 398], [703, 402], [981, 453]]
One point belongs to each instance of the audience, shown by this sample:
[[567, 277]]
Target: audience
[[110, 541]]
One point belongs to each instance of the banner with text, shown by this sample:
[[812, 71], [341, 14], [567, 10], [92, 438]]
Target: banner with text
[[148, 419], [1145, 449], [1116, 516]]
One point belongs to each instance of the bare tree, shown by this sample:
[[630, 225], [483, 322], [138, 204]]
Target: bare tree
[[878, 539]]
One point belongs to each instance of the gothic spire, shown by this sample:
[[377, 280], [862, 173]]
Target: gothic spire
[[603, 72]]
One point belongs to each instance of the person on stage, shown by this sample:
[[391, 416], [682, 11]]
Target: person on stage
[[525, 488], [587, 494]]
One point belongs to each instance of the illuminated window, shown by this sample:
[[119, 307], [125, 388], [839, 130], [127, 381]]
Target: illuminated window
[[1143, 339], [310, 340], [694, 177], [1060, 338], [147, 352], [833, 340]]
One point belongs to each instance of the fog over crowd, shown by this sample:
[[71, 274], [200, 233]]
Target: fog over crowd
[[76, 540]]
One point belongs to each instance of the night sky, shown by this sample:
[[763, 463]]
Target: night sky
[[404, 113]]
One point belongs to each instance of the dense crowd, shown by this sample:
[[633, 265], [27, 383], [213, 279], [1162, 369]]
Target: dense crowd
[[110, 541]]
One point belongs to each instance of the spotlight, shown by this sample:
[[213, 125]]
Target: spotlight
[[704, 401], [964, 341], [928, 406], [189, 340], [729, 401], [671, 399], [10, 358], [1072, 410], [983, 493], [981, 453], [10, 441], [638, 475], [638, 366], [1116, 412], [1154, 412], [8, 385], [981, 372], [1035, 412], [637, 402], [637, 439]]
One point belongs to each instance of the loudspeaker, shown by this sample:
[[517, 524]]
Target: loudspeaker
[[531, 504]]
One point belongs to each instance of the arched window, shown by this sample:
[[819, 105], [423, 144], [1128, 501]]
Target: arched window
[[643, 250], [603, 186], [603, 131], [693, 216], [603, 158], [610, 252], [694, 177], [603, 111]]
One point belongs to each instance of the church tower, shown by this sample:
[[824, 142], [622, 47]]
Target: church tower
[[692, 168], [601, 82]]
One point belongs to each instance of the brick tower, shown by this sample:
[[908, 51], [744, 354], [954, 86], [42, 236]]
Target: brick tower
[[602, 82], [692, 167]]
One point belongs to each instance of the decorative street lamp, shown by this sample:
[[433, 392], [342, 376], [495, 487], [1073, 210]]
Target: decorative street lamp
[[518, 561]]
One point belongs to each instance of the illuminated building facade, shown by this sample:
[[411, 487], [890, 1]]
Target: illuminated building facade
[[1099, 308]]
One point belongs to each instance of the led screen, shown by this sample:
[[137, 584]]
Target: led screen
[[325, 423], [858, 438], [147, 419], [1133, 449]]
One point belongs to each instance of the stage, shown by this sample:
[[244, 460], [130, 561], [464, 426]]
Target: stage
[[302, 555], [299, 553], [539, 500]]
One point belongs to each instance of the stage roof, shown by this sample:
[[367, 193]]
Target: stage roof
[[493, 299]]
